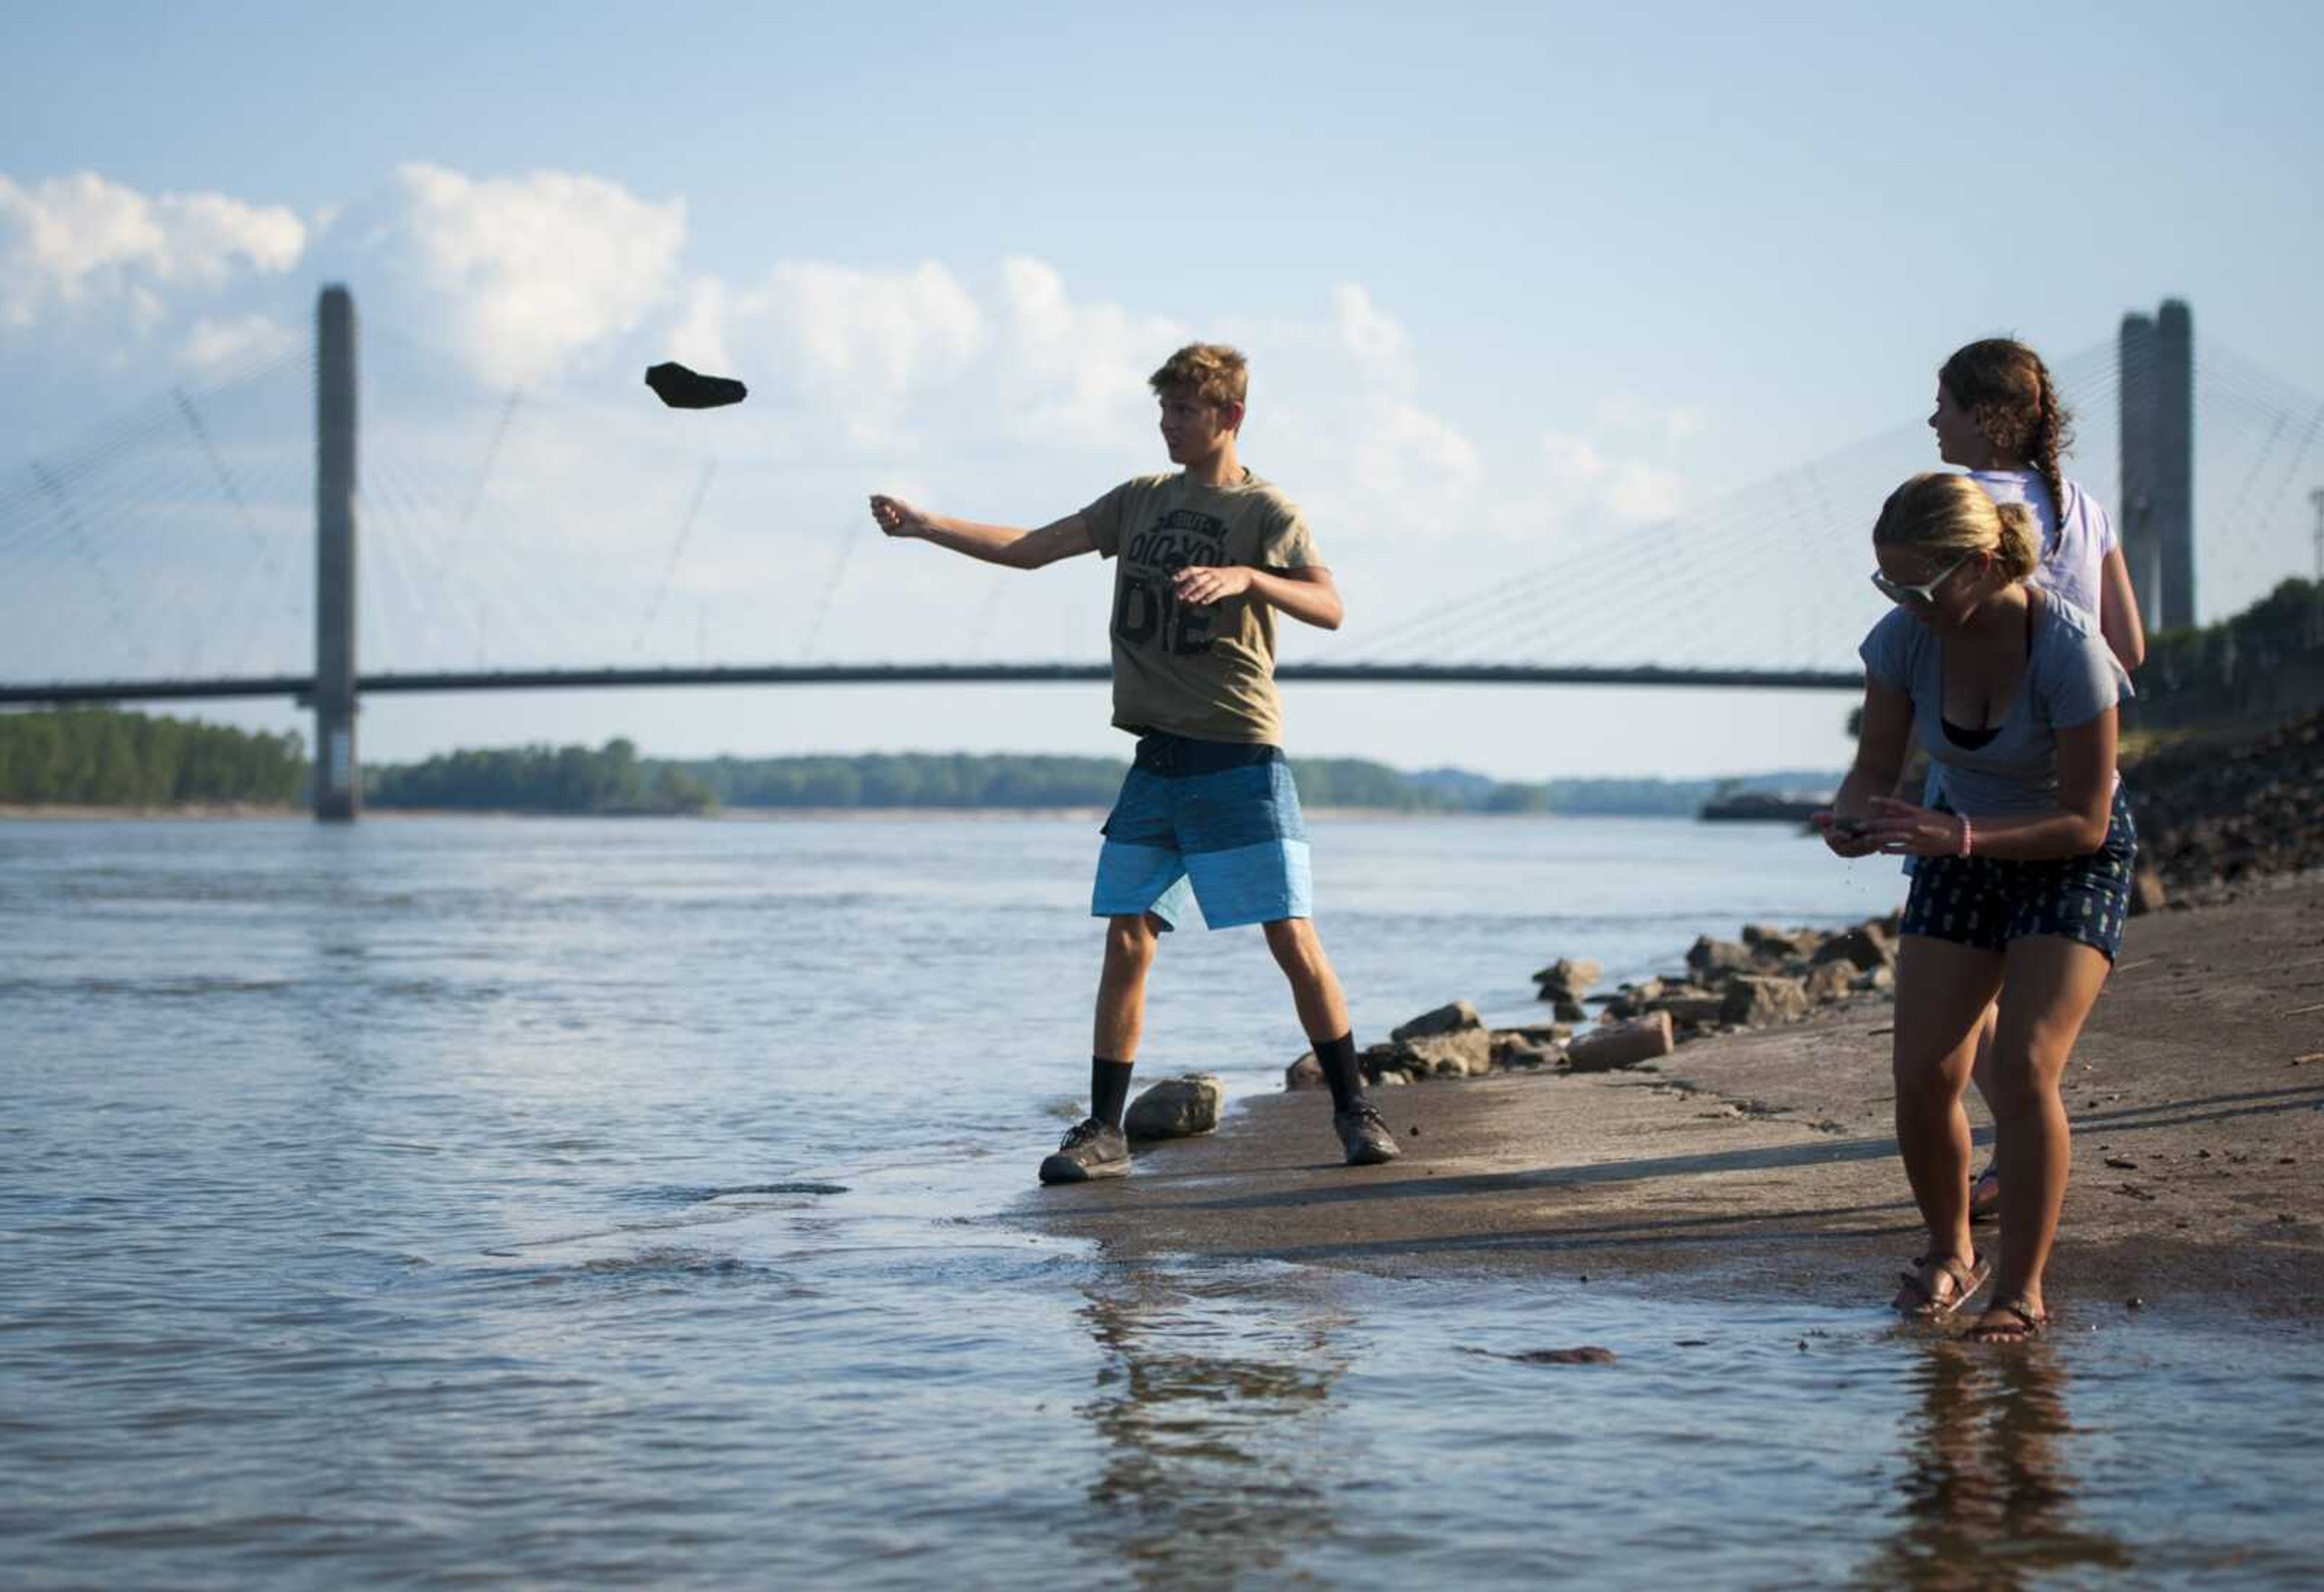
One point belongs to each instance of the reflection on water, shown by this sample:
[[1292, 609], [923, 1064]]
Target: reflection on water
[[1212, 1405], [1987, 1501]]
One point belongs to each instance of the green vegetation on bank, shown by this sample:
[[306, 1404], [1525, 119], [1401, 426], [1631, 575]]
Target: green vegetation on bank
[[101, 756], [965, 780], [539, 779], [2264, 663]]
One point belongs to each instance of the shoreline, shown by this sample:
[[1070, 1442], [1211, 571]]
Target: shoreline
[[1763, 1164], [34, 812]]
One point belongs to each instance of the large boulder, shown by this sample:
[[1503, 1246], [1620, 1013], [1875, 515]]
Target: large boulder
[[1464, 1052], [1708, 957], [1306, 1073], [1177, 1108], [1541, 1033], [1771, 946], [1456, 1018], [1622, 1044], [1688, 1005], [1516, 1047], [1632, 999], [2146, 892], [1568, 979], [1758, 1001], [1866, 946], [1831, 981], [1451, 1042]]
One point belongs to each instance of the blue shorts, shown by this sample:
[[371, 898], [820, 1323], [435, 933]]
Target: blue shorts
[[1216, 823], [1987, 901]]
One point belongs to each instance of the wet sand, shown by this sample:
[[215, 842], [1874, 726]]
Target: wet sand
[[1764, 1164]]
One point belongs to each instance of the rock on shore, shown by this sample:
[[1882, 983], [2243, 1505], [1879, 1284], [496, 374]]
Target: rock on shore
[[1768, 977], [2210, 813], [1177, 1107]]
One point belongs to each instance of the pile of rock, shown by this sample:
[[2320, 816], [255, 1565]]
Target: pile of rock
[[1454, 1041], [1771, 975], [2210, 811], [1451, 1042]]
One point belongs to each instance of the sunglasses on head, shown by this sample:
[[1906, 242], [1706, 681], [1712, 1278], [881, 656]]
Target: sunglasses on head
[[1923, 596]]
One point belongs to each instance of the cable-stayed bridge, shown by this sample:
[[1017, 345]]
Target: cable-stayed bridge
[[203, 545]]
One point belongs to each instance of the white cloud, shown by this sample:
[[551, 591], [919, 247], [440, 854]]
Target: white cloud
[[1379, 347], [1077, 371], [72, 240], [858, 346], [214, 343], [1669, 426], [1404, 448], [539, 269], [1583, 479]]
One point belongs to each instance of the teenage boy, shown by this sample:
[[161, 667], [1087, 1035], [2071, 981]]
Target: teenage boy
[[1204, 557]]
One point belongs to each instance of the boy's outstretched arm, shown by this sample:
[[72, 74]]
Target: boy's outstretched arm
[[1309, 594], [995, 544]]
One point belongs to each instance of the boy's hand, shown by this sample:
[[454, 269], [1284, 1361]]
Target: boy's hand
[[897, 517], [1199, 584]]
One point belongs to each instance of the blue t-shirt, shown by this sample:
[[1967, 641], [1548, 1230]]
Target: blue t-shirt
[[2071, 678]]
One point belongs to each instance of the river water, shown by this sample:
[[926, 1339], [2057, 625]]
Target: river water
[[588, 1204]]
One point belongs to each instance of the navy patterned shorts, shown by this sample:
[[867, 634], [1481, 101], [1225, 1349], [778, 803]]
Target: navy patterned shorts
[[1988, 901]]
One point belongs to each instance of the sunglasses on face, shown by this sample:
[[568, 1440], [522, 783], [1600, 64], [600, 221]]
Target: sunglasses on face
[[1923, 596]]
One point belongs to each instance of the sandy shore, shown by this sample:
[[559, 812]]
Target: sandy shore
[[1764, 1164]]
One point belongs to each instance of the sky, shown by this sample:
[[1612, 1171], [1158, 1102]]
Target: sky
[[1522, 287]]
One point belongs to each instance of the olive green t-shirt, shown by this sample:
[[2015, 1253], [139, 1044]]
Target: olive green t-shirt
[[1204, 671]]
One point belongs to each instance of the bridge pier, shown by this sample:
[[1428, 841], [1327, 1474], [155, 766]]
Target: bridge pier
[[339, 772], [2157, 363]]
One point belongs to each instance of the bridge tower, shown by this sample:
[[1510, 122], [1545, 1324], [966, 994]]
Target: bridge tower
[[2157, 364], [339, 773]]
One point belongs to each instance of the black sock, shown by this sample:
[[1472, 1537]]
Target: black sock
[[1109, 1089], [1339, 1058]]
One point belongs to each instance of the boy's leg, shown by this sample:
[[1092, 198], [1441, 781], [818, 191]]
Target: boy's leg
[[1323, 1008], [1314, 987], [1096, 1146], [1141, 891], [1130, 939]]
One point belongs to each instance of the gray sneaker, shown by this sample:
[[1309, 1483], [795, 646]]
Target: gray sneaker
[[1363, 1136], [1092, 1150]]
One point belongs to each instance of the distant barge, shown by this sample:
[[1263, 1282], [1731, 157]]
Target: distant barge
[[1780, 807]]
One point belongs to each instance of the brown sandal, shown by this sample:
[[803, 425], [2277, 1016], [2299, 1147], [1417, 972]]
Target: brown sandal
[[2029, 1325], [1920, 1297]]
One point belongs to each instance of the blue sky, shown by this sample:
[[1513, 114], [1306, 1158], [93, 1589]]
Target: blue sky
[[1517, 282]]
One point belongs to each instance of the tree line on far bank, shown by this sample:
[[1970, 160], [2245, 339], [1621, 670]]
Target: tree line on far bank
[[101, 757]]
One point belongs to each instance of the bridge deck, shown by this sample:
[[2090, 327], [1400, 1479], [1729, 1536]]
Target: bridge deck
[[301, 687]]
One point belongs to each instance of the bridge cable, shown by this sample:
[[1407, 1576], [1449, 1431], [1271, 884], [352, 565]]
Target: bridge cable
[[676, 552], [849, 536]]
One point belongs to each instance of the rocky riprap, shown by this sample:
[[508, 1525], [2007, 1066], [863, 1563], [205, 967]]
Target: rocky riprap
[[2210, 812], [1770, 976]]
